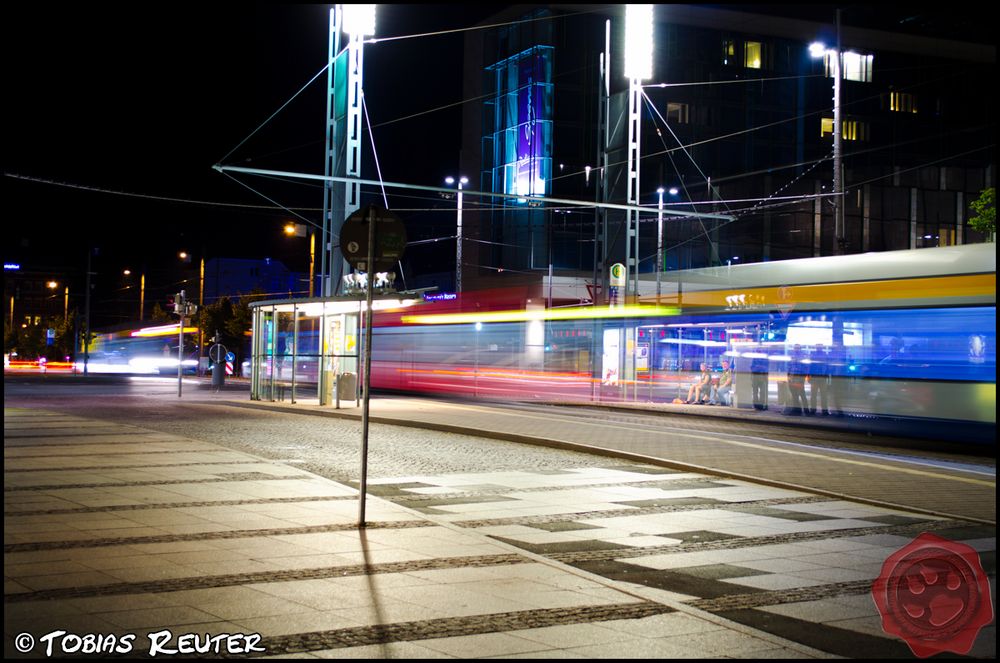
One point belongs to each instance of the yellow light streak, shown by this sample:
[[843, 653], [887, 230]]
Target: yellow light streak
[[577, 313]]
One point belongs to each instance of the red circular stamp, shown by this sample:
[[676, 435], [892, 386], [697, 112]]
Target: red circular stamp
[[934, 594]]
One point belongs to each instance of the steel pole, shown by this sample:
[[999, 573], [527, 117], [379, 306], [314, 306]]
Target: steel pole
[[370, 268], [659, 243], [458, 241]]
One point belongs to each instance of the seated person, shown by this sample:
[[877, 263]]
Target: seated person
[[699, 389], [723, 392]]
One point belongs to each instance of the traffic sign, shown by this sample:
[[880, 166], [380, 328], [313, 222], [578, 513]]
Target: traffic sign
[[390, 239], [217, 352]]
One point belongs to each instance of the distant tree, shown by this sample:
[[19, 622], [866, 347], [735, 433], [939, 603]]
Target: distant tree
[[161, 316], [231, 320], [985, 219]]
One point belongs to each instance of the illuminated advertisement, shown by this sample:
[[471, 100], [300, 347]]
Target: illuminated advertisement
[[530, 142], [523, 124]]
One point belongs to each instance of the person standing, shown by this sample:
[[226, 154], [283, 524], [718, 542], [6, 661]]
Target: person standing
[[797, 372], [759, 381], [819, 381], [837, 370]]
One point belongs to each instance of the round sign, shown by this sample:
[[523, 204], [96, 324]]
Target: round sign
[[217, 352], [230, 356], [390, 239], [617, 274]]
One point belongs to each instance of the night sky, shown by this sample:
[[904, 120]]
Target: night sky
[[144, 98]]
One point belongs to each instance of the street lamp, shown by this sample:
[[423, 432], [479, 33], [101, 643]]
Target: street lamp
[[458, 231], [142, 289], [292, 229], [52, 285], [638, 67], [818, 50]]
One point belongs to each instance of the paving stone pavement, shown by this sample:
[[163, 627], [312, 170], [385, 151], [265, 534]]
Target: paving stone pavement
[[116, 531]]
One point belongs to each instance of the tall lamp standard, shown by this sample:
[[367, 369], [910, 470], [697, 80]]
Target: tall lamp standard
[[818, 50], [638, 67], [458, 231]]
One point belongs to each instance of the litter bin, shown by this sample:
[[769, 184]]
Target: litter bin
[[347, 386]]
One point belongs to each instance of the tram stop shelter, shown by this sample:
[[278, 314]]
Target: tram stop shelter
[[311, 348]]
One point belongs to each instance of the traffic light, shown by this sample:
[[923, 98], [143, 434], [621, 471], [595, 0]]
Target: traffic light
[[177, 303]]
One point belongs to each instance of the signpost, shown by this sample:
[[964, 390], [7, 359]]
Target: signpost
[[373, 240], [217, 353], [616, 283], [355, 237], [182, 307]]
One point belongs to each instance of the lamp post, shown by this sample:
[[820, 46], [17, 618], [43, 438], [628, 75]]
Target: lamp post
[[458, 231], [52, 285], [292, 229], [816, 50], [659, 241], [638, 67]]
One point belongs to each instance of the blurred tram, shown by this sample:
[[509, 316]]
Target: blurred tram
[[901, 336], [142, 351]]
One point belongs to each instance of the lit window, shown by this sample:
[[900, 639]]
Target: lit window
[[728, 51], [752, 55], [857, 67], [677, 113], [850, 129], [902, 102]]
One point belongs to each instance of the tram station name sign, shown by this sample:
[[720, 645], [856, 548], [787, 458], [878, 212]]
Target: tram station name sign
[[390, 239]]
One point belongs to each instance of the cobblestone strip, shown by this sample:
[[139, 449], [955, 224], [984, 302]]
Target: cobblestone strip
[[159, 482], [142, 466], [204, 449], [211, 582], [634, 511], [910, 529], [208, 536], [450, 627], [778, 597], [679, 484], [109, 430], [179, 505]]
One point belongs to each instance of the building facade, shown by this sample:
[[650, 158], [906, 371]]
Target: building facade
[[737, 120]]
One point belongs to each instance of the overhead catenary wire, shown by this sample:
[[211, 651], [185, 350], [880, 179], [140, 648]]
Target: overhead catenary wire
[[287, 209], [238, 145], [371, 137]]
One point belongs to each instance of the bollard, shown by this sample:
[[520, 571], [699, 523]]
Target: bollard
[[218, 374]]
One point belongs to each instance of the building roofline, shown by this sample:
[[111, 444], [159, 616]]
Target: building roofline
[[804, 30]]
